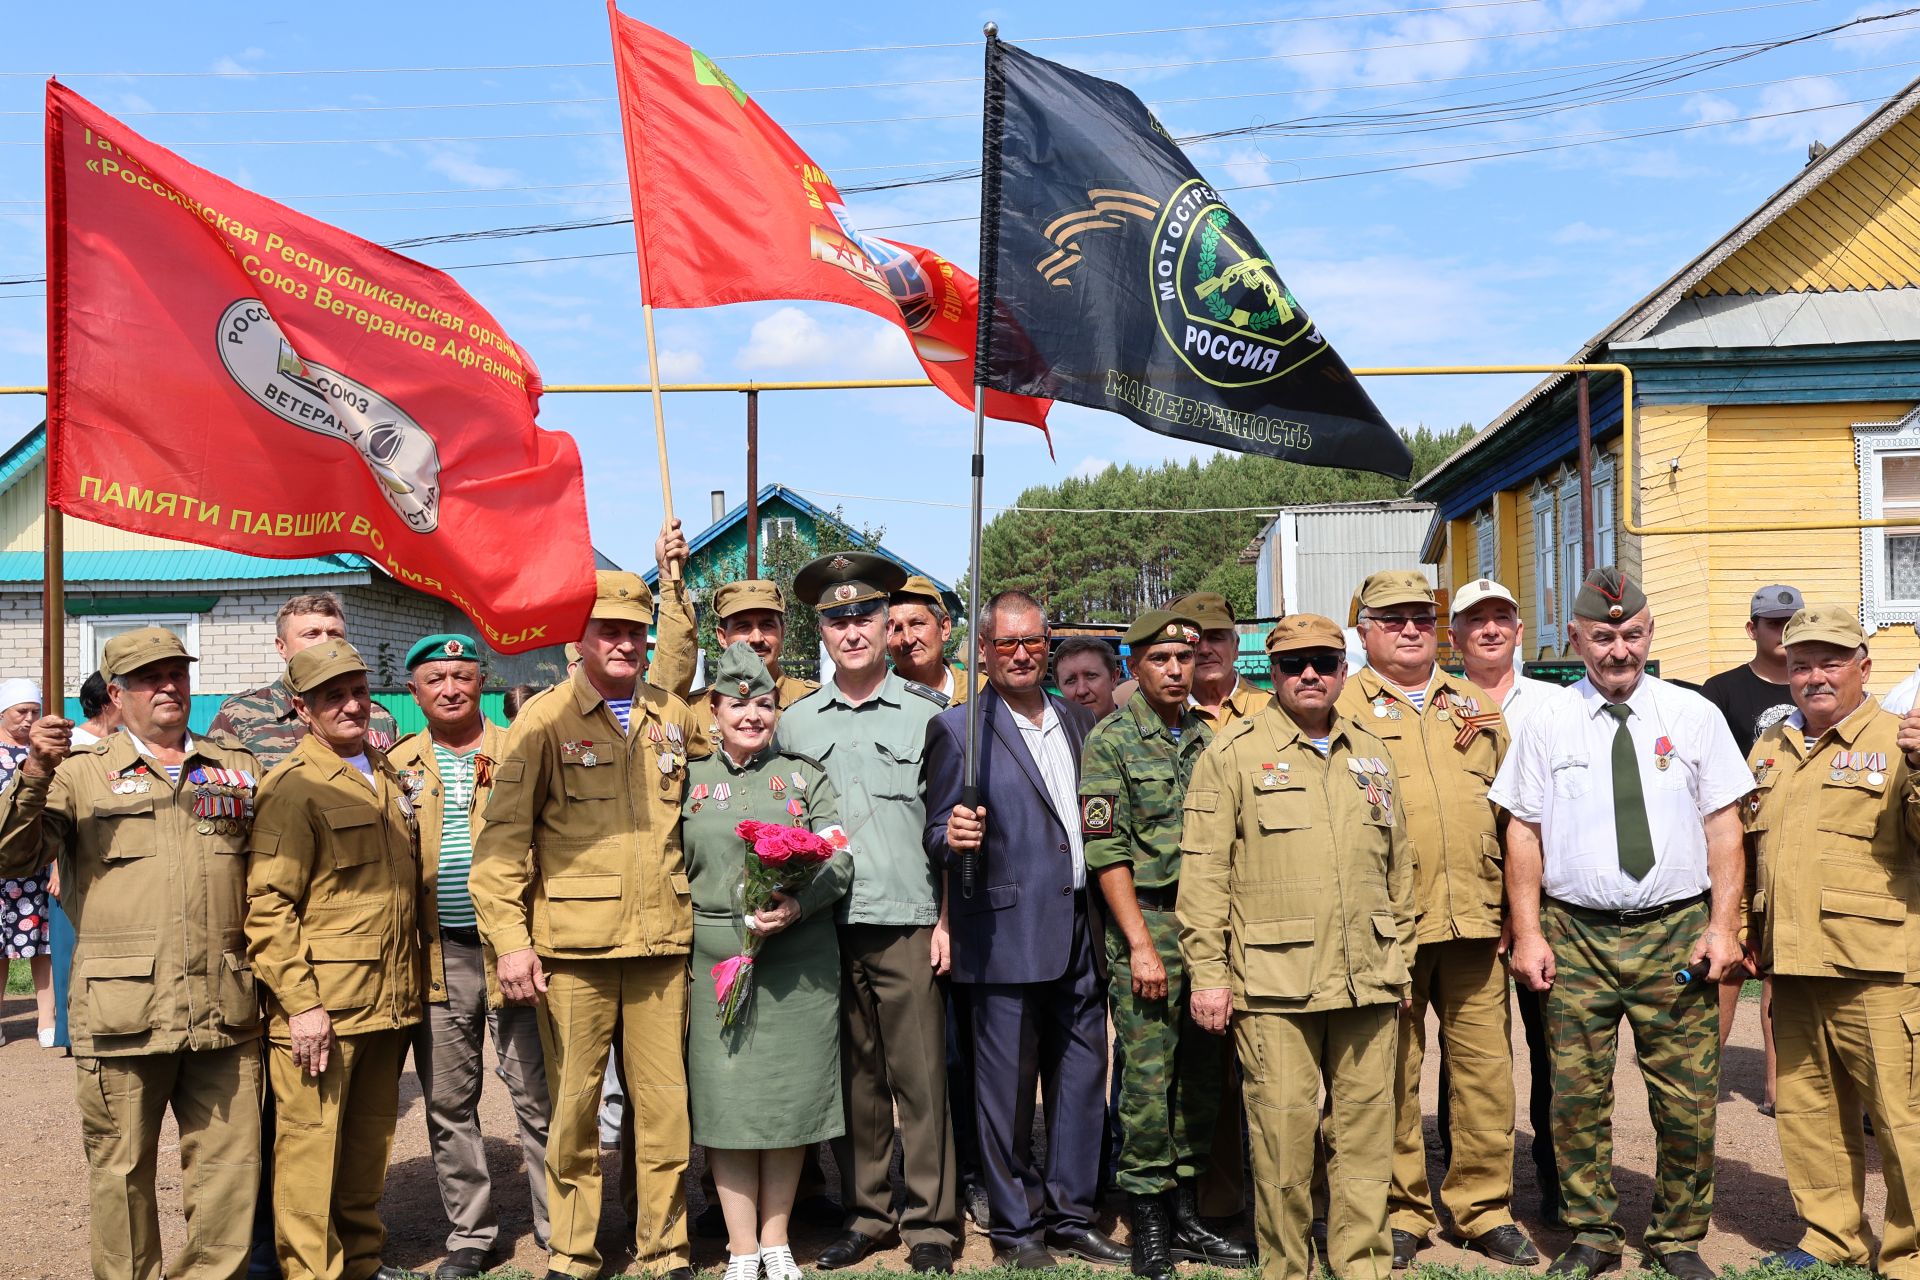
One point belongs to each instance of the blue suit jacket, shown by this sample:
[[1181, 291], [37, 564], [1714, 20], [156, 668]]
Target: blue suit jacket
[[1018, 926]]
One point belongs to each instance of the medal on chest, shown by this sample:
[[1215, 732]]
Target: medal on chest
[[699, 797], [132, 781], [1275, 775], [1876, 768], [721, 792], [1663, 754]]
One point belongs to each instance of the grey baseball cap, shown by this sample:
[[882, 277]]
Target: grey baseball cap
[[1776, 601]]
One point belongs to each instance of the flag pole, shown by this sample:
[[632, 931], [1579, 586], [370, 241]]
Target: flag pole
[[646, 289], [53, 608], [993, 109]]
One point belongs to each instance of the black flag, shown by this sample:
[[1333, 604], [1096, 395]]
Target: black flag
[[1113, 275]]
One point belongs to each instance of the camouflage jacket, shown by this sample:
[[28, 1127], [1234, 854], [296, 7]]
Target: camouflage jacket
[[1133, 779], [264, 722]]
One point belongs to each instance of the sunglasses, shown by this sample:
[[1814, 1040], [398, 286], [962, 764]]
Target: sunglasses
[[1005, 645], [1400, 621], [1292, 664]]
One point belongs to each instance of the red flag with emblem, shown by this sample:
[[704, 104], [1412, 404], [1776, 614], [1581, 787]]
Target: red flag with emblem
[[729, 209], [226, 371]]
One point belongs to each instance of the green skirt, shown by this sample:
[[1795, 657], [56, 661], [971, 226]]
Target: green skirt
[[772, 1079]]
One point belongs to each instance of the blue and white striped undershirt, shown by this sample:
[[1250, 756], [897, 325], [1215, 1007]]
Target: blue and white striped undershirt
[[621, 708], [456, 836]]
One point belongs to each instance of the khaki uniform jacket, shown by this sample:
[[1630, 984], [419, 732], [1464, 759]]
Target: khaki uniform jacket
[[1296, 890], [1835, 862], [584, 823], [160, 962], [1246, 698], [676, 645], [415, 756], [1460, 882], [333, 893]]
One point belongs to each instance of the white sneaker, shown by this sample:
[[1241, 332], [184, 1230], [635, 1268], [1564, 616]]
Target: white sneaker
[[745, 1267], [46, 1037], [777, 1261]]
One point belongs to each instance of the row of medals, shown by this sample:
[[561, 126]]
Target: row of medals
[[1849, 765]]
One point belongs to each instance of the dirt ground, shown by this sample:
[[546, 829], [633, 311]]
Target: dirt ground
[[47, 1232]]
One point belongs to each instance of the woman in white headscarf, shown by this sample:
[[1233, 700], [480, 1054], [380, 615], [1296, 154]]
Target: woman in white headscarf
[[23, 902]]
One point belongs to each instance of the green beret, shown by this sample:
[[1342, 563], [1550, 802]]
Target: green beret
[[1160, 626], [443, 648], [1608, 595], [740, 673]]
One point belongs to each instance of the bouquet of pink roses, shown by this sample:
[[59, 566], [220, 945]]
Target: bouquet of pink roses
[[780, 859]]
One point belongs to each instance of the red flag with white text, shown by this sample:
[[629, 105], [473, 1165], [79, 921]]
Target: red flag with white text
[[730, 209], [226, 371]]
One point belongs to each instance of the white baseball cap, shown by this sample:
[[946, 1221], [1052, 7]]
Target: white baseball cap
[[1481, 589]]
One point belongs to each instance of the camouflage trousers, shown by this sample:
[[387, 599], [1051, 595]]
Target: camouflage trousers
[[1607, 971], [1170, 1070]]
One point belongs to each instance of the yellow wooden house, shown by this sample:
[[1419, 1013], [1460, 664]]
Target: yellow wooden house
[[1775, 378]]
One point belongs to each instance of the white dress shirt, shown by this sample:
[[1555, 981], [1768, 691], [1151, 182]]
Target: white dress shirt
[[1559, 774], [1052, 753], [1524, 697], [1904, 695]]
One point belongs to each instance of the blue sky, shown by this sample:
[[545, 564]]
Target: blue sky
[[1471, 261]]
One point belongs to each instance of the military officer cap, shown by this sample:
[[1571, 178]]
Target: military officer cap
[[1776, 601], [1389, 587], [132, 650], [622, 596], [741, 673], [848, 584], [313, 666], [446, 647], [1208, 609], [1608, 595], [1299, 631], [1820, 624], [748, 593], [1160, 626]]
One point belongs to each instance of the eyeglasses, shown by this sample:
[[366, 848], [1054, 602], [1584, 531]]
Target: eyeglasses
[[1005, 645], [1401, 621], [1292, 664]]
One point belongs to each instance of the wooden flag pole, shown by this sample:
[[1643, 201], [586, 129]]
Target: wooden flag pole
[[659, 405]]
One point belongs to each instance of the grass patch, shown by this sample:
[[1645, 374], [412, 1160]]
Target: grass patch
[[1420, 1271], [19, 978]]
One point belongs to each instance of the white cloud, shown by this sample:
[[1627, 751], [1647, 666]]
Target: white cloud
[[460, 164], [680, 366], [856, 348]]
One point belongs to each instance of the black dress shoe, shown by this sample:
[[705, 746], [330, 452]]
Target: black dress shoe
[[1584, 1258], [847, 1250], [1506, 1244], [1682, 1264], [1405, 1246], [1028, 1255], [1090, 1245], [463, 1264], [931, 1257]]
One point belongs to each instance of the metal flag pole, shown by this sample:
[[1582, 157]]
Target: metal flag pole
[[634, 191], [989, 247]]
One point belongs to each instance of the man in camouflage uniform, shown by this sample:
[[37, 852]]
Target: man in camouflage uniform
[[1133, 775], [264, 719], [1624, 868]]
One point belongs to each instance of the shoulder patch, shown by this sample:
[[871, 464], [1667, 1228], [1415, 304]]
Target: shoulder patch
[[1096, 815], [934, 696]]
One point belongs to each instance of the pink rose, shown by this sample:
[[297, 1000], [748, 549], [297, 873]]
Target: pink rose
[[749, 830], [726, 973], [771, 847], [806, 846]]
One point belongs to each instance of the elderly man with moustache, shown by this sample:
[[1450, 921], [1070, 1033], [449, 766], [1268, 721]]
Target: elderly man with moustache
[[918, 628], [1624, 866]]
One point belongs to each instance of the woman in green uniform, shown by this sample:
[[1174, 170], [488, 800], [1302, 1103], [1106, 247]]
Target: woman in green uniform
[[766, 1088]]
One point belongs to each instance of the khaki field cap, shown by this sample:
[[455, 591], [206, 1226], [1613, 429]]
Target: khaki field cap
[[135, 649], [312, 667], [1393, 586], [748, 593], [1608, 595], [1208, 608], [622, 596], [919, 589], [1478, 590], [1160, 626], [1299, 631], [1823, 624]]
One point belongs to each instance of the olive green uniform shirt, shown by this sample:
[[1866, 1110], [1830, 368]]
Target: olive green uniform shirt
[[158, 905], [1296, 887], [1461, 878], [333, 893], [1835, 860], [1133, 776]]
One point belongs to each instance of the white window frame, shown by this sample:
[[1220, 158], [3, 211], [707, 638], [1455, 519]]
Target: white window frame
[[1572, 567], [1873, 441], [184, 625], [1486, 545], [1546, 562], [772, 527], [1606, 517]]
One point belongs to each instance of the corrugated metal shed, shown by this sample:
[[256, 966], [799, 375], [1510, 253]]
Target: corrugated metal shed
[[1786, 320], [1325, 550], [184, 568]]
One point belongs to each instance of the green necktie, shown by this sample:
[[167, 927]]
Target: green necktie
[[1630, 830]]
